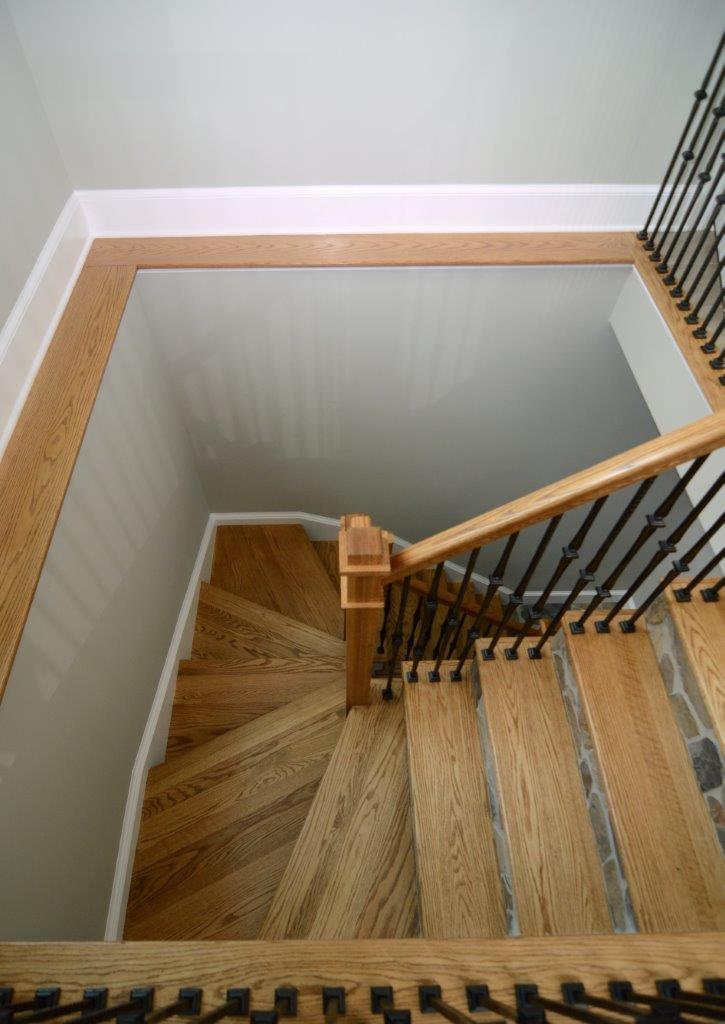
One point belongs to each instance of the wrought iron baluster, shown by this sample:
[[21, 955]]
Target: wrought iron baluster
[[44, 998], [397, 639], [711, 345], [451, 619], [701, 332], [700, 95], [624, 992], [333, 1004], [710, 594], [710, 226], [719, 362], [568, 555], [430, 1000], [426, 625], [703, 177], [679, 567], [93, 999], [188, 1004], [574, 993], [528, 997], [666, 547], [413, 628], [384, 626], [479, 998], [237, 1005], [684, 594], [494, 582], [516, 599], [141, 1001], [684, 304], [705, 206], [694, 316], [690, 1001], [654, 522], [457, 635]]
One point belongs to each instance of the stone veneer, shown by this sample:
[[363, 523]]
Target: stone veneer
[[689, 710]]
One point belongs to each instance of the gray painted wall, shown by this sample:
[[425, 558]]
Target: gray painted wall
[[269, 92], [34, 184], [395, 392], [93, 649]]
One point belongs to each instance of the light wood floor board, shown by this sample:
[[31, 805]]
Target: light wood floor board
[[231, 628], [499, 248], [670, 853], [557, 878], [328, 551], [701, 628], [277, 567], [39, 459], [459, 885], [404, 964], [216, 819], [352, 873], [698, 362], [206, 706]]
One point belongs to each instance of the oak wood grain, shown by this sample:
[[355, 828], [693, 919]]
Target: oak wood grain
[[459, 885], [700, 626], [277, 567], [356, 965], [219, 822], [669, 849], [695, 358], [327, 552], [352, 873], [653, 457], [557, 877], [503, 248], [38, 462]]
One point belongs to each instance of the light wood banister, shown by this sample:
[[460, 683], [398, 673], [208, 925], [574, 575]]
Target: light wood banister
[[631, 467]]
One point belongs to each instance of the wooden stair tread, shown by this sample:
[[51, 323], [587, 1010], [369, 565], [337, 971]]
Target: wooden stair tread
[[220, 821], [459, 884], [352, 872], [206, 706], [669, 850], [328, 551], [701, 628], [229, 627], [557, 877], [277, 567]]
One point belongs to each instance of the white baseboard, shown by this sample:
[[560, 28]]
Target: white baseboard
[[365, 208], [152, 747], [28, 330]]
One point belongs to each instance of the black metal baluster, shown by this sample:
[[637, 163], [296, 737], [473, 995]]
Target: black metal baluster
[[665, 548], [516, 599], [702, 179], [574, 993], [528, 998], [414, 628], [711, 345], [700, 95], [705, 206], [654, 522], [701, 332], [690, 1001], [710, 226], [333, 1003], [381, 1001], [494, 582], [141, 1001], [426, 625], [188, 1004], [451, 619], [684, 594], [684, 304], [93, 999], [623, 991], [694, 316], [568, 554], [457, 635], [479, 998], [237, 1005], [397, 639], [430, 1000], [719, 362], [48, 996], [384, 626], [711, 594], [679, 567]]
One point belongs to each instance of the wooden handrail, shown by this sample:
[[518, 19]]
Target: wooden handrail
[[631, 467]]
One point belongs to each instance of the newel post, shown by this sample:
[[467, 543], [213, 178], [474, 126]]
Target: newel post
[[364, 565]]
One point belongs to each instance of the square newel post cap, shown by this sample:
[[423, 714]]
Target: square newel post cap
[[364, 561]]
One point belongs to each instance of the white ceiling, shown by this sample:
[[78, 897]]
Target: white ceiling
[[279, 92], [420, 396]]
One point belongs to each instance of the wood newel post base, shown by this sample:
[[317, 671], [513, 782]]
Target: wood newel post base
[[364, 567]]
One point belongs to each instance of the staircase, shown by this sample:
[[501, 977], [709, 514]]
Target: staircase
[[453, 809]]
